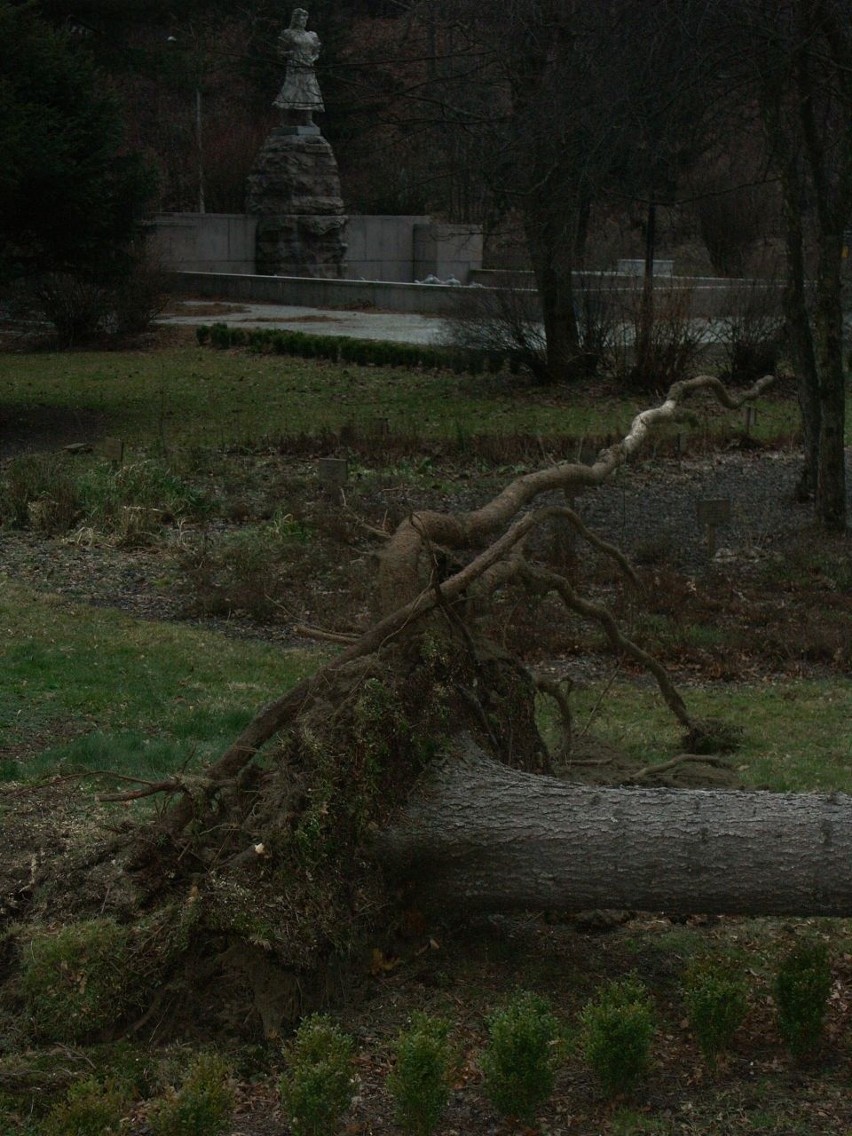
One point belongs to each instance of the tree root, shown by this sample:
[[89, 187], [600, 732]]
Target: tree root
[[673, 763], [560, 691]]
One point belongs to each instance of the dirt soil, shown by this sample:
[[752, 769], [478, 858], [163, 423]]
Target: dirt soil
[[778, 609]]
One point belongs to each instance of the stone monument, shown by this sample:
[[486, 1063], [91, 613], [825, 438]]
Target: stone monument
[[294, 187]]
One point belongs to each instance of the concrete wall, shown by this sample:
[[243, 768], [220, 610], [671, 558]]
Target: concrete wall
[[410, 248], [447, 251], [204, 242], [381, 247], [386, 248], [302, 291], [709, 298]]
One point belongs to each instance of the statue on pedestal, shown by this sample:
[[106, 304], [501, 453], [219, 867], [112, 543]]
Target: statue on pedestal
[[294, 185], [300, 95]]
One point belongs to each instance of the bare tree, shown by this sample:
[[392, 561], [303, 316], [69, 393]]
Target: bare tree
[[799, 67], [542, 111]]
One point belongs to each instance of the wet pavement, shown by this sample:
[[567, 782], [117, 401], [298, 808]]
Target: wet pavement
[[394, 327]]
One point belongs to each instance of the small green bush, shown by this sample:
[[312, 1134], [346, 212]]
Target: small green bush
[[420, 1081], [402, 355], [139, 296], [345, 346], [345, 349], [380, 354], [353, 352], [78, 307], [317, 1086], [716, 1000], [77, 981], [91, 1108], [202, 1106], [802, 987], [519, 1062], [220, 336], [307, 346], [476, 362], [616, 1029]]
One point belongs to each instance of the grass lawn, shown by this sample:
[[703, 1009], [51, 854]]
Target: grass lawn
[[90, 690], [191, 397], [795, 732]]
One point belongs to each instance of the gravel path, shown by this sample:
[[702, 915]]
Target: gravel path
[[649, 509], [652, 508]]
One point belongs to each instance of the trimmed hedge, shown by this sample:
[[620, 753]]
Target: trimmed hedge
[[343, 349]]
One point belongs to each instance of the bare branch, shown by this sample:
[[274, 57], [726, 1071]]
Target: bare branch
[[398, 575], [319, 633], [620, 642]]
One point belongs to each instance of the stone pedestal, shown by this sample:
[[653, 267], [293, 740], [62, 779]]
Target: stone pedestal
[[294, 191]]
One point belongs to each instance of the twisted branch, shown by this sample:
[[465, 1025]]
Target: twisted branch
[[405, 601]]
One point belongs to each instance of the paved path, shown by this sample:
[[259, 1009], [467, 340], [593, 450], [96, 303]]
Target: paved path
[[396, 327]]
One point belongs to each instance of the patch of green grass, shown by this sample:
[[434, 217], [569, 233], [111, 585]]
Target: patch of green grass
[[51, 493], [628, 1122], [796, 733], [189, 396], [76, 980], [34, 1081], [92, 1108], [112, 692]]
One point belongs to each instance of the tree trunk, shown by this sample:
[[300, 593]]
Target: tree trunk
[[807, 110], [831, 469], [555, 282], [799, 334], [480, 836]]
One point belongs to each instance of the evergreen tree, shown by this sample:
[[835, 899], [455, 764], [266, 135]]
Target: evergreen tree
[[70, 193]]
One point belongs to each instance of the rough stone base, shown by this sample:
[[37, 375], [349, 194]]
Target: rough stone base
[[294, 191], [300, 246]]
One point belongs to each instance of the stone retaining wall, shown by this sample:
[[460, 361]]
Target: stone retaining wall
[[709, 298], [400, 249]]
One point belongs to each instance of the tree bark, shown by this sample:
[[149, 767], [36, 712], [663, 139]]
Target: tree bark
[[803, 70], [799, 331], [553, 271], [478, 836], [831, 467]]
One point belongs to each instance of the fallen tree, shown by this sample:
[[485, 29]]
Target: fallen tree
[[477, 836], [409, 770]]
